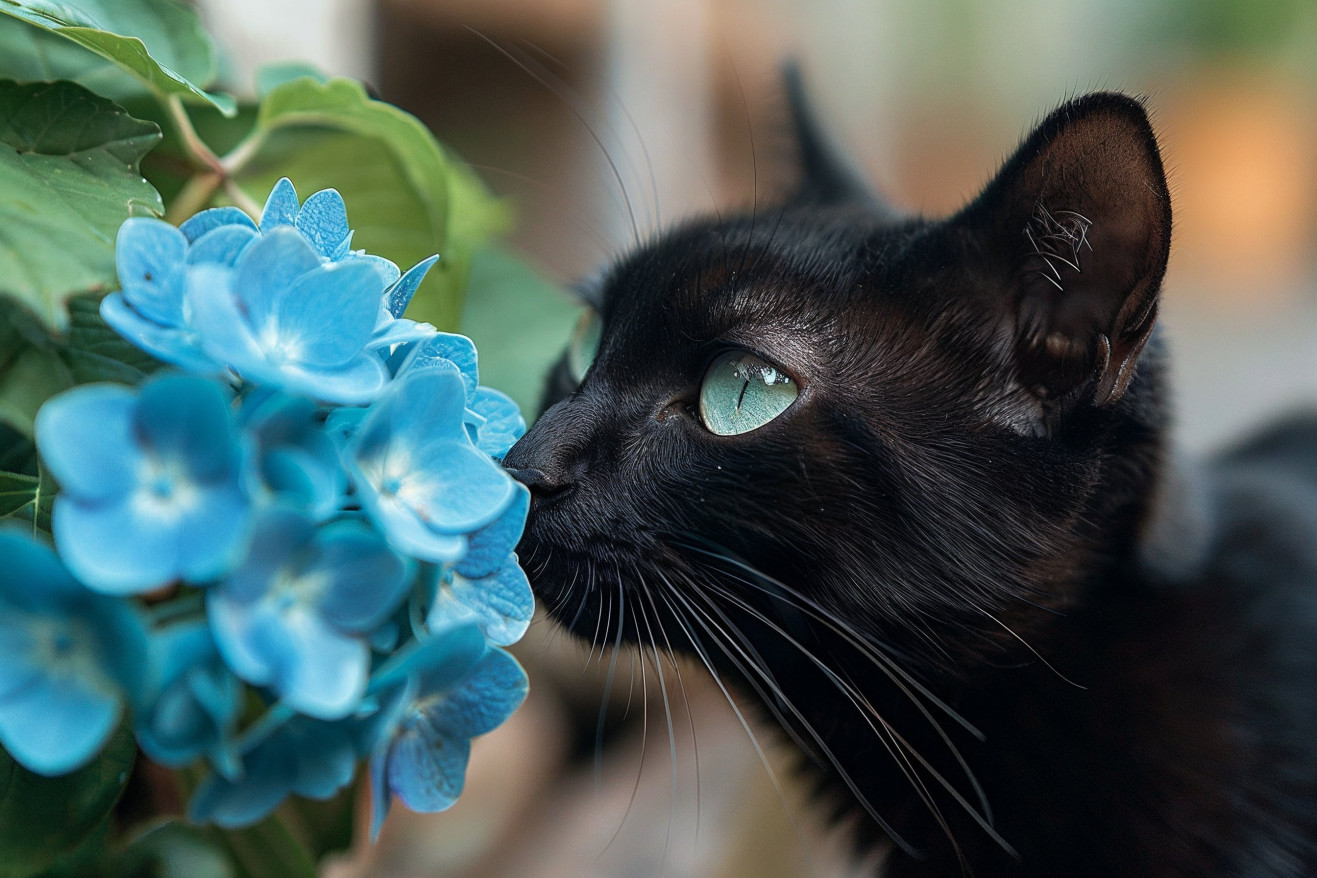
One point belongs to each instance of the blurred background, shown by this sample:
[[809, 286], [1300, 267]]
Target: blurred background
[[604, 119]]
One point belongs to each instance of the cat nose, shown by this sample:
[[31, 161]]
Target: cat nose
[[542, 485]]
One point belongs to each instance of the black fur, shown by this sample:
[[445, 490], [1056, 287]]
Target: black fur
[[960, 571]]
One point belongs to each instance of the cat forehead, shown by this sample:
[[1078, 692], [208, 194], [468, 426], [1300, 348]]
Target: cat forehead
[[748, 269]]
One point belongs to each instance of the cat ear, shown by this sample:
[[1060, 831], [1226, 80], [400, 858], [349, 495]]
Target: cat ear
[[827, 176], [1081, 217]]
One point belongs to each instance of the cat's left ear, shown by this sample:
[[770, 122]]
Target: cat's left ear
[[826, 174], [1077, 229]]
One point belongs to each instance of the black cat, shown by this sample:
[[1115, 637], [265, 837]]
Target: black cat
[[906, 481]]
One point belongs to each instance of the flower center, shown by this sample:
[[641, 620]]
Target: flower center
[[166, 491]]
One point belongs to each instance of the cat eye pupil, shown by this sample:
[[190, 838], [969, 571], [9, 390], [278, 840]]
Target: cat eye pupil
[[584, 344], [741, 392]]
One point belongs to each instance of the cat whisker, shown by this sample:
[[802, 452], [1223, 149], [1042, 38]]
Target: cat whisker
[[648, 595], [1029, 646], [870, 713], [565, 93], [865, 644], [703, 656], [608, 684], [757, 676]]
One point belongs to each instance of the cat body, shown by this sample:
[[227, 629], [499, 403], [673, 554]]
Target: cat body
[[960, 569]]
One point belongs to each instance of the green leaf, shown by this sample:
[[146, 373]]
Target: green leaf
[[44, 817], [16, 491], [92, 351], [176, 850], [394, 176], [271, 76], [33, 377], [520, 323], [159, 43], [34, 512], [68, 180]]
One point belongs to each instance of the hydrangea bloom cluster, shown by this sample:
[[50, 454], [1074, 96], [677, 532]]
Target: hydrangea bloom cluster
[[290, 554]]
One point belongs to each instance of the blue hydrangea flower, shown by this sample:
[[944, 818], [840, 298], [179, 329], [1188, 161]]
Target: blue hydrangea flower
[[296, 617], [416, 472], [165, 271], [281, 317], [149, 310], [431, 700], [194, 702], [295, 457], [438, 698], [323, 221], [493, 420], [151, 482], [488, 585], [69, 658], [302, 756], [497, 420]]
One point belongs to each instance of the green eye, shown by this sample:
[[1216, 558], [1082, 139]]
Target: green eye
[[742, 392], [584, 344]]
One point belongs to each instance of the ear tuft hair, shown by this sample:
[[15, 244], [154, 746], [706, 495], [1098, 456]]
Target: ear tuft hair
[[1080, 219]]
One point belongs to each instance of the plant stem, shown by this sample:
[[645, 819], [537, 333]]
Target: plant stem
[[215, 171], [196, 147], [196, 194]]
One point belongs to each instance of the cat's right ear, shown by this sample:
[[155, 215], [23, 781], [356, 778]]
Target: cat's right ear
[[826, 174], [1075, 232]]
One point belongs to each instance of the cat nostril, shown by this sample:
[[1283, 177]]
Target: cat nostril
[[541, 484]]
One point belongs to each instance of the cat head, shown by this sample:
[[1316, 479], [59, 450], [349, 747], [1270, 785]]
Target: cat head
[[931, 429]]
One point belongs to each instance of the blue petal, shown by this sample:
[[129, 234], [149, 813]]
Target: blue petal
[[197, 226], [322, 672], [269, 775], [323, 219], [446, 346], [380, 797], [406, 532], [266, 270], [20, 649], [457, 489], [149, 255], [57, 723], [241, 634], [327, 315], [501, 603], [326, 757], [503, 425], [490, 546], [297, 475], [111, 549], [398, 332], [364, 581], [387, 271], [221, 246], [399, 296], [194, 705], [212, 540], [416, 409], [281, 207], [279, 533], [443, 659], [32, 577], [483, 701], [120, 633], [226, 336], [182, 347], [357, 383], [427, 769], [187, 419], [86, 439]]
